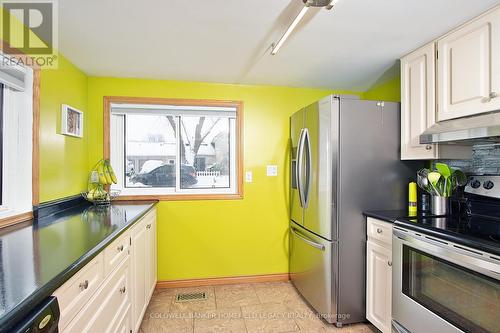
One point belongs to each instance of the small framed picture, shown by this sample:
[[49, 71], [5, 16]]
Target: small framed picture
[[71, 121]]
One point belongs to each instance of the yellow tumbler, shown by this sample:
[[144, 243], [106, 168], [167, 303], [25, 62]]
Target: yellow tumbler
[[412, 199]]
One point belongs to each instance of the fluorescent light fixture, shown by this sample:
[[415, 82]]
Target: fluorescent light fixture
[[289, 30]]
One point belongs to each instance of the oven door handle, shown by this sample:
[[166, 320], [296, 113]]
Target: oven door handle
[[456, 254]]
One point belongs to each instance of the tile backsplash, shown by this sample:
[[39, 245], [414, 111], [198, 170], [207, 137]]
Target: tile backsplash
[[485, 160]]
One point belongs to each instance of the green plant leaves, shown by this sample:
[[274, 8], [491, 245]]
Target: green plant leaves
[[444, 170], [434, 177], [441, 182]]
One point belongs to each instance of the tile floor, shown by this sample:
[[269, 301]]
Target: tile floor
[[272, 307]]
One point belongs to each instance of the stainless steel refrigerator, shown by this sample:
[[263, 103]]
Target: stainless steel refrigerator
[[345, 159]]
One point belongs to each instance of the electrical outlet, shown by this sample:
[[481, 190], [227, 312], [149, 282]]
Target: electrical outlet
[[272, 170], [248, 176]]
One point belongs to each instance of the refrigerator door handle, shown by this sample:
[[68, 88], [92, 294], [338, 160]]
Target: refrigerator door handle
[[310, 242], [298, 174], [309, 168]]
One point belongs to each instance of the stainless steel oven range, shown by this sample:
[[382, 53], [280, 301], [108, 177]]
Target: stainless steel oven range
[[446, 270]]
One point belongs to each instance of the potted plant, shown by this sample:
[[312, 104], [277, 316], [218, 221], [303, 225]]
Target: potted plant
[[440, 184]]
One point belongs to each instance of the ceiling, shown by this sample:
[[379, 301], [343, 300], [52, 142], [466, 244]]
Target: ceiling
[[228, 41]]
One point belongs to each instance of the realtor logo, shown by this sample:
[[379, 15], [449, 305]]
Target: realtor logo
[[30, 29]]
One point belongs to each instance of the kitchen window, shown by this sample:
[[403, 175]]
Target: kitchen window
[[175, 149], [16, 160]]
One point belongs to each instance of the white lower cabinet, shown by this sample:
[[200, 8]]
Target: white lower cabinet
[[110, 294], [125, 323], [78, 290], [104, 311], [143, 266], [153, 256], [379, 275]]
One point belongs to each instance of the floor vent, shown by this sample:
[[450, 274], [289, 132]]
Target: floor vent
[[190, 297]]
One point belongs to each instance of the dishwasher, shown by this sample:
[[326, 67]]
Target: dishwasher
[[43, 319]]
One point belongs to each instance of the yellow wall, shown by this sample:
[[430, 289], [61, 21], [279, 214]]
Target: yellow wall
[[63, 159], [389, 90], [198, 239]]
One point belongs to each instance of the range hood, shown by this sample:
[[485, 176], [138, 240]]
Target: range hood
[[480, 129]]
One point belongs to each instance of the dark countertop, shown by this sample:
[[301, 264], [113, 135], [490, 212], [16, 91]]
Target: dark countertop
[[468, 239], [386, 215], [36, 259]]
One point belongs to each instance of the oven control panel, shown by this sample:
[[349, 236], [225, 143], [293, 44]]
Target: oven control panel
[[484, 185]]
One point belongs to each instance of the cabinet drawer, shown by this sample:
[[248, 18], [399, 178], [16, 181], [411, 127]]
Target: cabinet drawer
[[124, 325], [379, 230], [116, 252], [73, 294], [105, 311]]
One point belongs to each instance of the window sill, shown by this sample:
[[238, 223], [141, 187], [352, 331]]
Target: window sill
[[15, 219], [181, 197]]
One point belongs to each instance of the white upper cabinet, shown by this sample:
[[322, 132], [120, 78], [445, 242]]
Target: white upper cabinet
[[417, 102], [418, 108], [469, 68]]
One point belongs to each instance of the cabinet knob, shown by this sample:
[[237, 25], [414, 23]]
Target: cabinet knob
[[379, 231], [120, 248], [389, 263], [428, 147], [148, 226], [122, 290], [84, 285]]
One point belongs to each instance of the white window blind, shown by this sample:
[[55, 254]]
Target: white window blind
[[17, 148], [173, 110]]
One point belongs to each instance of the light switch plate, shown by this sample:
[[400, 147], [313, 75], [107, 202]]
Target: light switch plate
[[248, 176], [272, 170]]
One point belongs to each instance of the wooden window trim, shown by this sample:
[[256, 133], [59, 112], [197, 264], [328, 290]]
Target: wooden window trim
[[15, 219], [108, 100], [35, 162]]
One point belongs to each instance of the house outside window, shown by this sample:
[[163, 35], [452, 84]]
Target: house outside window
[[172, 150]]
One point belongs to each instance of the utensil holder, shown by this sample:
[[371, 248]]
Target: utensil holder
[[440, 205]]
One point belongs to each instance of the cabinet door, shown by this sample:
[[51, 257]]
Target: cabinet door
[[152, 255], [124, 325], [469, 68], [378, 285], [417, 102], [139, 273]]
